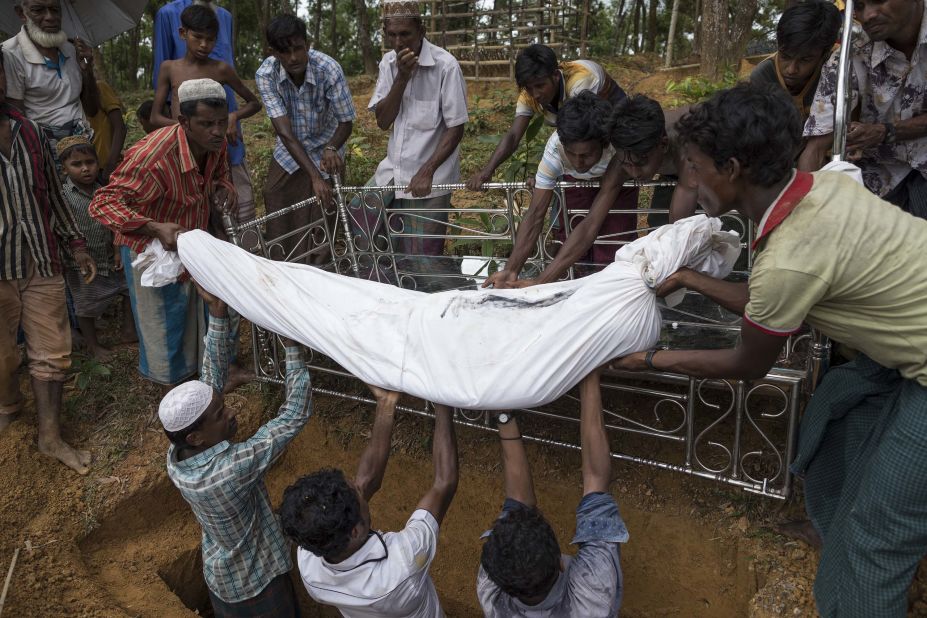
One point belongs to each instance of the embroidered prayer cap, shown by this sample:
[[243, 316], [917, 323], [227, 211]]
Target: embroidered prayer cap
[[401, 9], [200, 89], [66, 143], [183, 405]]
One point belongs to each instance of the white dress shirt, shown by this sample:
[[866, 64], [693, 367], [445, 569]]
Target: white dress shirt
[[435, 99]]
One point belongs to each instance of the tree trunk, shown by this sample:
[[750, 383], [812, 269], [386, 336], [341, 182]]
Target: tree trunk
[[334, 38], [724, 38], [635, 21], [135, 36], [363, 33], [652, 27], [317, 23], [697, 39], [233, 9], [584, 29], [621, 28], [671, 37]]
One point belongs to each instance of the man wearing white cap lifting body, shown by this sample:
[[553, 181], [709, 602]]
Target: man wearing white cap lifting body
[[169, 182], [246, 558]]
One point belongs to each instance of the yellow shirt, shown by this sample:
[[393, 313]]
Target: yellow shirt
[[102, 129], [577, 75], [849, 264]]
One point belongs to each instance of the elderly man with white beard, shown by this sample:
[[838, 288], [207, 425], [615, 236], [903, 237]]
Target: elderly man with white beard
[[48, 77]]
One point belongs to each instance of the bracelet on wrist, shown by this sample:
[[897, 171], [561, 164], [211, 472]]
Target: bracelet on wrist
[[649, 359]]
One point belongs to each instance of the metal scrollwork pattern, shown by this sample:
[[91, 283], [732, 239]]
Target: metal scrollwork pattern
[[717, 429]]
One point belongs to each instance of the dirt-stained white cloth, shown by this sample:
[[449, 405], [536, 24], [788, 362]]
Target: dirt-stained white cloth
[[483, 349]]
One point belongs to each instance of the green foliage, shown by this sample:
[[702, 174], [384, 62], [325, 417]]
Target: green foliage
[[528, 156], [88, 370], [697, 88]]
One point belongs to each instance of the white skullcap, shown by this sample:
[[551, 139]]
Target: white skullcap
[[184, 404], [401, 9], [199, 89]]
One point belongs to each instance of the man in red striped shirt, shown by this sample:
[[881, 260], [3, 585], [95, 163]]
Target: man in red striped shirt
[[169, 182]]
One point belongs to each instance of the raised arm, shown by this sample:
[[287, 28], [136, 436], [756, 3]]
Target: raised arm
[[158, 119], [515, 467], [444, 454], [504, 149], [372, 465], [387, 108], [597, 460], [214, 369]]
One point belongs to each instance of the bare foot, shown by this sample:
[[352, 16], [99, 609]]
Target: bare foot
[[237, 376], [802, 530], [77, 460], [101, 354]]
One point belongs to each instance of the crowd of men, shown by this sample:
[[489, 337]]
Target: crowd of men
[[842, 257]]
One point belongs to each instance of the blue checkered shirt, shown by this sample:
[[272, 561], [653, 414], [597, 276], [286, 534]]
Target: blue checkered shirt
[[315, 108], [243, 545]]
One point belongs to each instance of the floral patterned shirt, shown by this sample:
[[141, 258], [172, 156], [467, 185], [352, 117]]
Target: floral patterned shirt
[[886, 87]]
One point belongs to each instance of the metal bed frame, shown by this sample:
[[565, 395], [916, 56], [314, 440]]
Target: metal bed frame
[[738, 433]]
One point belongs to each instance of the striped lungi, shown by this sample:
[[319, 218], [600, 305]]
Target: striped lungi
[[863, 454], [171, 326], [92, 299]]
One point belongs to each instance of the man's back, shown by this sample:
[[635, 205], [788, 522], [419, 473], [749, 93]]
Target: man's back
[[387, 576]]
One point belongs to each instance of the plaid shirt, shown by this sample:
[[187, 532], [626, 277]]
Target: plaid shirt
[[159, 181], [243, 545], [99, 237], [34, 217], [315, 108]]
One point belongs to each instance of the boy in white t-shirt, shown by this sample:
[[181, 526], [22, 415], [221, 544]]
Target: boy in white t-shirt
[[344, 561]]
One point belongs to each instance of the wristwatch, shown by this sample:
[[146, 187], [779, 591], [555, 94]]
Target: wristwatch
[[503, 417], [890, 136]]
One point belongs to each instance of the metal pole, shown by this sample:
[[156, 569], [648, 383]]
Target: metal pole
[[343, 213], [842, 106]]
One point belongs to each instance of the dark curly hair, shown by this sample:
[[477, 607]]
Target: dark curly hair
[[522, 555], [533, 62], [810, 26], [636, 124], [319, 511], [757, 124], [582, 118]]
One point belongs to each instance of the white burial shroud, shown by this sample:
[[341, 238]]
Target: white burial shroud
[[483, 349]]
